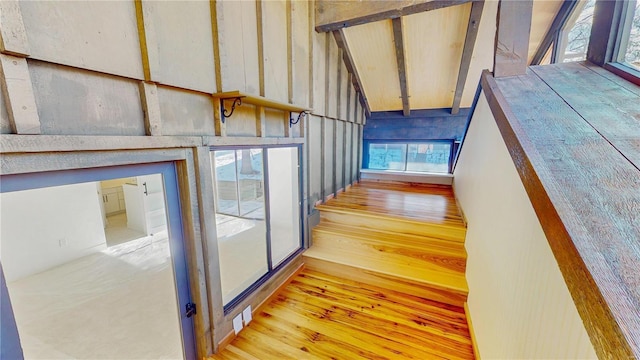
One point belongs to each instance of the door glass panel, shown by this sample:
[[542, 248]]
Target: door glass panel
[[226, 186], [241, 225], [89, 270], [284, 206]]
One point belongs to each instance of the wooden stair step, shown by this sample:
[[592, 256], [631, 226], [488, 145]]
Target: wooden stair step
[[392, 254], [365, 219], [419, 242], [316, 260], [454, 281]]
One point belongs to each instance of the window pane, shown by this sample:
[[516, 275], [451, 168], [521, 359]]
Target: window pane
[[429, 157], [224, 165], [578, 30], [632, 54], [250, 184], [387, 156], [284, 206]]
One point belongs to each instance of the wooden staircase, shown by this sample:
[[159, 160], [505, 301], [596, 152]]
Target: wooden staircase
[[403, 237]]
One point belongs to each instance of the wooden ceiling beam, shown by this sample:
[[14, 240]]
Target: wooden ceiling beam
[[351, 67], [402, 65], [467, 52], [565, 11], [512, 38], [333, 15]]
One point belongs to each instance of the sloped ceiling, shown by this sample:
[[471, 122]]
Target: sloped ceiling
[[433, 43]]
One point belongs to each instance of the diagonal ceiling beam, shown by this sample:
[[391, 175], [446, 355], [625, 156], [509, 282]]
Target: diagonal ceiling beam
[[402, 64], [511, 51], [467, 52], [351, 67], [337, 14], [552, 34]]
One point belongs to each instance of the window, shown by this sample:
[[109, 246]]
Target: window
[[630, 38], [574, 39], [431, 156], [258, 215]]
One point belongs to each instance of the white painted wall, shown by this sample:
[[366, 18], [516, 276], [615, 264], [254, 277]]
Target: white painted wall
[[518, 301], [34, 224]]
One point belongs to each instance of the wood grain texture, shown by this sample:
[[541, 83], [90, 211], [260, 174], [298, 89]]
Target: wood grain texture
[[398, 40], [319, 316], [19, 97], [512, 38], [434, 77], [13, 37], [585, 193], [336, 14], [151, 108], [399, 236]]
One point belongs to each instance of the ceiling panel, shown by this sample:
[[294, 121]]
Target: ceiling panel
[[434, 43], [544, 11], [373, 52]]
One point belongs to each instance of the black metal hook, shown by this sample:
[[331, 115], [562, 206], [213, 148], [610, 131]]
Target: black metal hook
[[236, 102], [300, 116]]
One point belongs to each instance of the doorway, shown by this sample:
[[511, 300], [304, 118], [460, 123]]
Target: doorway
[[95, 265]]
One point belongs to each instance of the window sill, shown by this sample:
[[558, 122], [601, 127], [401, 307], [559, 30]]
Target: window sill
[[407, 176]]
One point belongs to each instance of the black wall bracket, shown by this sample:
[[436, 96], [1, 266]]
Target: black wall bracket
[[300, 116], [223, 112]]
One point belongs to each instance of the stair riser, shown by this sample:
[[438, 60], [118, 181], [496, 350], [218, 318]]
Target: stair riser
[[393, 253], [395, 225], [386, 281], [419, 243]]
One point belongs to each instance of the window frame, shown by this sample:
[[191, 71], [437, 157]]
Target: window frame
[[271, 271], [609, 37], [407, 142]]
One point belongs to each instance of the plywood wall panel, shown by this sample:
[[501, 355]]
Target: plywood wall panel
[[482, 57], [435, 41], [5, 124], [300, 48], [184, 42], [333, 86], [242, 122], [340, 155], [329, 151], [79, 102], [274, 28], [314, 140], [238, 39], [373, 52], [344, 94], [85, 34], [185, 112], [348, 157], [519, 303], [319, 72], [274, 121]]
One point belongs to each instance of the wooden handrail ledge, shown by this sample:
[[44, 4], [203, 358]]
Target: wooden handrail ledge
[[573, 134]]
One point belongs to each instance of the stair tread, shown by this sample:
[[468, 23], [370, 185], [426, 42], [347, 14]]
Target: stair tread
[[425, 243], [435, 219], [447, 280]]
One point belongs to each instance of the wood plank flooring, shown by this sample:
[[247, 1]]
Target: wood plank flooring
[[319, 316]]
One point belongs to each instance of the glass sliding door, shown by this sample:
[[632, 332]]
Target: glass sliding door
[[284, 203], [240, 219], [258, 215]]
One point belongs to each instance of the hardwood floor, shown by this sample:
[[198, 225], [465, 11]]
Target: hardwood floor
[[320, 316]]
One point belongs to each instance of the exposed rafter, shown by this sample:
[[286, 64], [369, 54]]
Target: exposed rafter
[[467, 52], [351, 67], [552, 34], [402, 64], [337, 14]]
